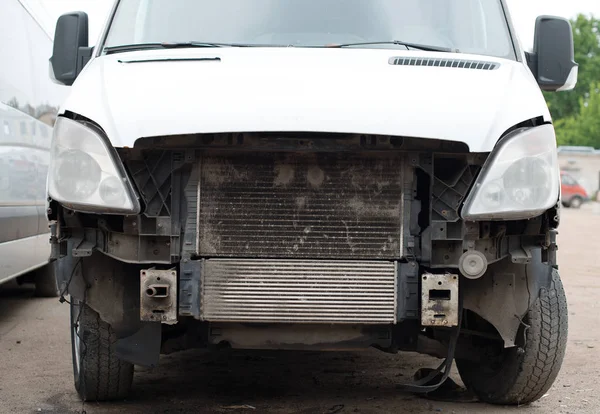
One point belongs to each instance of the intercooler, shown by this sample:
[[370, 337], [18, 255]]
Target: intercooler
[[299, 291], [300, 237]]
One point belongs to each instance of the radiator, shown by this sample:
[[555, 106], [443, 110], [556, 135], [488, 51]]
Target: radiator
[[300, 205]]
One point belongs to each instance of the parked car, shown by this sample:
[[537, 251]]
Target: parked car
[[29, 103], [290, 177], [573, 195]]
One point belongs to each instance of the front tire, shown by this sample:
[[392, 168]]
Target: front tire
[[99, 374], [523, 374]]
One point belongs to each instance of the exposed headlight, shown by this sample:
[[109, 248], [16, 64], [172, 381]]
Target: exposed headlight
[[85, 173], [520, 180]]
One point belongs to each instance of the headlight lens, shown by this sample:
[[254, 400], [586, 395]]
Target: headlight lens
[[520, 179], [111, 191], [85, 174], [78, 174]]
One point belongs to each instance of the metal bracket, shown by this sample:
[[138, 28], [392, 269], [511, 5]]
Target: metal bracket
[[84, 248], [521, 255], [439, 300], [408, 291], [550, 248], [190, 286], [55, 242], [158, 296]]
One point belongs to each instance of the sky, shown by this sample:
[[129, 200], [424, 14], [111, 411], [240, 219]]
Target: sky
[[524, 12]]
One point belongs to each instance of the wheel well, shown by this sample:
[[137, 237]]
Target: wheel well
[[503, 296]]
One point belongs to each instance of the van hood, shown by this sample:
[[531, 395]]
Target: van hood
[[173, 92]]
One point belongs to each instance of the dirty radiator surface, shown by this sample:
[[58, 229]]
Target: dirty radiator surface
[[296, 205], [299, 291]]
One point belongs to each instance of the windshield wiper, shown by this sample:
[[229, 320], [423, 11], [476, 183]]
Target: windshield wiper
[[408, 45], [213, 44], [164, 45], [176, 45]]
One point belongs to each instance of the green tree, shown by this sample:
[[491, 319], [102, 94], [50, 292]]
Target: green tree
[[589, 118], [566, 131], [586, 35], [584, 127]]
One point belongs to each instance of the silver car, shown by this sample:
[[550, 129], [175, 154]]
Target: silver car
[[28, 106]]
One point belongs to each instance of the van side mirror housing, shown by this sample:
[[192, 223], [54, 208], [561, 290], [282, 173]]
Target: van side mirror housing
[[71, 51], [553, 59]]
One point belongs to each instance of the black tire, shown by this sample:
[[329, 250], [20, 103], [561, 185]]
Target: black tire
[[46, 285], [575, 202], [99, 374], [523, 374]]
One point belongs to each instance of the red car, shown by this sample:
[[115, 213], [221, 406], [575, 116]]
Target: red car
[[573, 195]]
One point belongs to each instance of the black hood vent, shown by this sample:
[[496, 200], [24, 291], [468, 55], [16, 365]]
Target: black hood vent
[[444, 63]]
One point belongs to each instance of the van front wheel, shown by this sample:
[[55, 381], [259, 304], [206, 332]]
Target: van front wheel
[[523, 374], [99, 374]]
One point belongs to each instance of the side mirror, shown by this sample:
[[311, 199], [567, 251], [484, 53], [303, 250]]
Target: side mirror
[[553, 59], [71, 51]]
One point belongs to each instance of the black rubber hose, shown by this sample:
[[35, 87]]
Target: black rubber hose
[[420, 386]]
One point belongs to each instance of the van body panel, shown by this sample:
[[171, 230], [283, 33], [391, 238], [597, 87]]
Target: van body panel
[[139, 94], [29, 104]]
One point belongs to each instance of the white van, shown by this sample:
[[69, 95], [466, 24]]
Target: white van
[[311, 174], [29, 104]]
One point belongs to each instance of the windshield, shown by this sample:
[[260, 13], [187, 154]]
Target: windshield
[[471, 26]]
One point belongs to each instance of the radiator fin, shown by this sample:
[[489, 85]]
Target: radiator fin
[[294, 205], [298, 291]]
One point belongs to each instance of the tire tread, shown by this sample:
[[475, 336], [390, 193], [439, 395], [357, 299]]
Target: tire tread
[[104, 376], [546, 345], [529, 375]]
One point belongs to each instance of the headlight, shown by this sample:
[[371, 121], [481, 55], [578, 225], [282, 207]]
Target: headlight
[[520, 180], [85, 173]]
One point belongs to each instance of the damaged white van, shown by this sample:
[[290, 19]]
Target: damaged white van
[[311, 174]]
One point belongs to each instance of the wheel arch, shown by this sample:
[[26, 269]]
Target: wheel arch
[[112, 289]]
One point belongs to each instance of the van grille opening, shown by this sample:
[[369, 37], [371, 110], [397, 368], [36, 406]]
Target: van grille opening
[[300, 205]]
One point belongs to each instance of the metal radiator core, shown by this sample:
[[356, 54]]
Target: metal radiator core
[[300, 205], [299, 291]]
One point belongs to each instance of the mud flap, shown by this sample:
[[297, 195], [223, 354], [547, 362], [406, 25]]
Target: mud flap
[[143, 347]]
